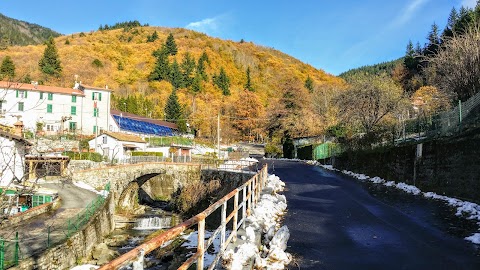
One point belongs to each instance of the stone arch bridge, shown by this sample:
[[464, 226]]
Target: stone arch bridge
[[157, 180]]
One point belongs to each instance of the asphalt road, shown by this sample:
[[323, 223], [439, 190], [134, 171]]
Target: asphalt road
[[335, 223]]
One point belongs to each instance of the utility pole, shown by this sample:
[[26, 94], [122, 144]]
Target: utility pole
[[218, 134]]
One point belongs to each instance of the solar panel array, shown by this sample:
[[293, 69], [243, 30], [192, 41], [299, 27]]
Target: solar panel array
[[142, 126]]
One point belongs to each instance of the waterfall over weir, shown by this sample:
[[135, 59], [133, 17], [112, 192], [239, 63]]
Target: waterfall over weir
[[153, 223]]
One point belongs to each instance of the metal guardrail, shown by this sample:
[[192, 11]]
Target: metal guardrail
[[249, 192]]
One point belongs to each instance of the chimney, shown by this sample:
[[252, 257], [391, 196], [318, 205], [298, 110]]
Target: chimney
[[18, 130]]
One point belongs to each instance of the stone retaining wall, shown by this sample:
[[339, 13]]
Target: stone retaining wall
[[447, 167]]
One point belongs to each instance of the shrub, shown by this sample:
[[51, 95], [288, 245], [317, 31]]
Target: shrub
[[84, 156], [150, 154], [191, 195]]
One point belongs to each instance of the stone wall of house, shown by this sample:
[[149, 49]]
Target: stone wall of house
[[78, 246], [47, 146]]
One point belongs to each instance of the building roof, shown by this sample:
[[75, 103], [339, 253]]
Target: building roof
[[144, 119], [14, 137], [40, 88], [124, 137], [83, 86]]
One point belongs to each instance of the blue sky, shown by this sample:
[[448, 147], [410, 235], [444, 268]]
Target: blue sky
[[331, 35]]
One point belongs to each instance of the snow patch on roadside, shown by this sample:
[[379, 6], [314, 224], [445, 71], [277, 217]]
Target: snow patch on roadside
[[83, 185], [265, 217], [465, 209]]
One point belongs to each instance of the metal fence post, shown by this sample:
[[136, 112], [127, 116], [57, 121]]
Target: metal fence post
[[17, 248], [2, 253], [224, 225], [460, 111]]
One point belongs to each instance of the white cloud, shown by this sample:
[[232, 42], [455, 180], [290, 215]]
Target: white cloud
[[207, 26], [409, 11], [469, 3]]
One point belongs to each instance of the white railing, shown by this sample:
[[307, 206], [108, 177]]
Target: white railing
[[249, 192]]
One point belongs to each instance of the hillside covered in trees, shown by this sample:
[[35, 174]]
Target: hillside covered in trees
[[257, 91], [15, 32]]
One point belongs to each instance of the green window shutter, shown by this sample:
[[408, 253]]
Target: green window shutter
[[95, 112], [49, 108], [41, 95], [93, 95], [20, 106], [95, 130], [17, 94], [99, 96], [26, 93], [50, 96], [74, 98], [73, 110]]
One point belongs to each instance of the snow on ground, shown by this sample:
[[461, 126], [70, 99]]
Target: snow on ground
[[265, 217], [83, 185], [466, 209], [236, 165]]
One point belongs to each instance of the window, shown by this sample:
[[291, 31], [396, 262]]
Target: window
[[95, 112], [41, 95], [21, 94], [72, 126], [95, 130], [104, 139], [20, 106], [97, 96], [50, 96], [73, 110], [49, 108], [74, 99], [1, 105]]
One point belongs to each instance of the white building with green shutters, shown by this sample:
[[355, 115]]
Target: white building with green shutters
[[56, 110]]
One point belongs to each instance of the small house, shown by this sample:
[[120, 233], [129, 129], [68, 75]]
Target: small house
[[116, 145]]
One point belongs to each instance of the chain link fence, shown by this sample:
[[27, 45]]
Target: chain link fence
[[440, 125]]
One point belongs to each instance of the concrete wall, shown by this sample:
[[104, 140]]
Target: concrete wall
[[79, 245], [448, 167]]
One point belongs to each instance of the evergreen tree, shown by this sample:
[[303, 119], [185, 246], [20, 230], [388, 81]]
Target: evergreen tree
[[161, 70], [50, 64], [452, 19], [222, 81], [410, 61], [173, 110], [153, 37], [170, 45], [248, 83], [187, 66], [175, 76], [433, 41], [196, 86], [7, 70], [309, 84], [201, 66]]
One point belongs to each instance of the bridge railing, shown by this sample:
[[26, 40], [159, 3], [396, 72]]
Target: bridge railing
[[248, 193]]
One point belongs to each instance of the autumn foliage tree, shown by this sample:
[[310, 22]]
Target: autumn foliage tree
[[369, 101], [247, 115]]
